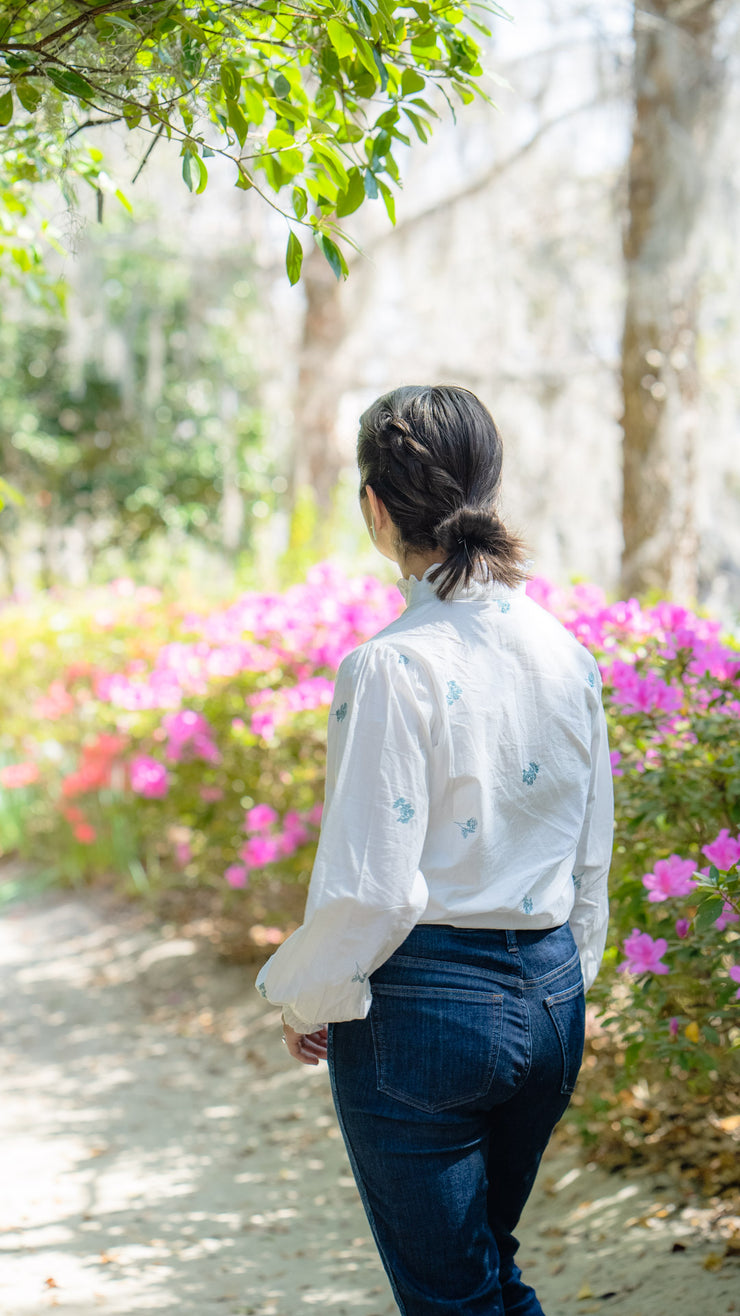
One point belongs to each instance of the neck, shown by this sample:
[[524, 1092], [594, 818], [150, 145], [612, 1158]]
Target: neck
[[415, 564]]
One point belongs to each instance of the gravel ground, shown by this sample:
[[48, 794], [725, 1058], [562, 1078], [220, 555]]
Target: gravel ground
[[161, 1152]]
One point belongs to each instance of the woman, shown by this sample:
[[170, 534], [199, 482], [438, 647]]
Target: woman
[[458, 903]]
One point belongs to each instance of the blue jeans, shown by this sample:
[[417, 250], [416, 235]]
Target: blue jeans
[[446, 1096]]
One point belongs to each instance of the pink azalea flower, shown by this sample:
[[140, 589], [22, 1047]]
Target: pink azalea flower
[[615, 758], [263, 724], [55, 703], [723, 852], [682, 927], [183, 853], [211, 793], [295, 827], [236, 875], [148, 777], [314, 814], [643, 953], [190, 732], [259, 850], [85, 833], [15, 775], [259, 818], [728, 915], [673, 1026], [735, 975], [670, 877], [286, 844]]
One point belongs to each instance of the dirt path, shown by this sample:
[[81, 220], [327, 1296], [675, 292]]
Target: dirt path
[[162, 1153]]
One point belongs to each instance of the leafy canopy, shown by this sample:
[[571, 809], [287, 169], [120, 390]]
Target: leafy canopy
[[308, 98]]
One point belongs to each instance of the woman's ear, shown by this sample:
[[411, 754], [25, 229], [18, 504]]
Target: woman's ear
[[377, 507]]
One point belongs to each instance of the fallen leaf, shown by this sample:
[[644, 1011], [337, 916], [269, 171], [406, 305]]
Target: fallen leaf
[[585, 1292], [712, 1261]]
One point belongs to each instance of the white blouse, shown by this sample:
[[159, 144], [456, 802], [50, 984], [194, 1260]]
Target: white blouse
[[468, 783]]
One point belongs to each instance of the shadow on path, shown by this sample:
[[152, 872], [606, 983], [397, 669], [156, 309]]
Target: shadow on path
[[161, 1152]]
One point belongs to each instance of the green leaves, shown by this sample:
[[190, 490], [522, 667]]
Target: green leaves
[[353, 195], [194, 172], [70, 82], [306, 99], [708, 912], [334, 257], [231, 80], [340, 38], [293, 258]]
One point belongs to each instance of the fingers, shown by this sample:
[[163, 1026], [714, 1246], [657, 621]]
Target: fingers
[[308, 1048]]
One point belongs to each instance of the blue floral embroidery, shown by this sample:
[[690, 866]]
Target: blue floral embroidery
[[261, 989], [403, 659], [529, 774], [341, 712], [591, 679], [503, 605], [406, 812], [577, 880], [467, 827], [453, 692], [527, 904], [358, 975]]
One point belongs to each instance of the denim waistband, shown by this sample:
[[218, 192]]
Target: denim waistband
[[523, 954]]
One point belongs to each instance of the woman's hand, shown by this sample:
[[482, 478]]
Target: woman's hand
[[309, 1048]]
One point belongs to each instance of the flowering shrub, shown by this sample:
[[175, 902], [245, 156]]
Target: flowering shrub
[[672, 697], [183, 745], [145, 737]]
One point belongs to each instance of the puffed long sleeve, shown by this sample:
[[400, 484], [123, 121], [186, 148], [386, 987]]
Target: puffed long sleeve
[[366, 891], [590, 915]]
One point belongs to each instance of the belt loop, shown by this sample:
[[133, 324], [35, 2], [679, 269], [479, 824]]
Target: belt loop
[[511, 941]]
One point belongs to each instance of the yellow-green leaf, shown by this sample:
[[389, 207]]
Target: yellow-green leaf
[[340, 38], [293, 258]]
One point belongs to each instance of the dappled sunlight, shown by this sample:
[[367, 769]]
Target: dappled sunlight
[[164, 1154], [152, 1166]]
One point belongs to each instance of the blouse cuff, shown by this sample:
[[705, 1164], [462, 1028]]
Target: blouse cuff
[[295, 1022]]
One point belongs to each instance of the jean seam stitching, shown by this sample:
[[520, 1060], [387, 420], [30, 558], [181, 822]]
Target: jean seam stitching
[[554, 973], [360, 1182]]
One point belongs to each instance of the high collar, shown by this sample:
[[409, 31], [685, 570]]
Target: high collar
[[419, 591]]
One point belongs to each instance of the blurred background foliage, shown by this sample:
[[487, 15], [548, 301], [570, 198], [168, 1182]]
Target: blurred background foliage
[[145, 427]]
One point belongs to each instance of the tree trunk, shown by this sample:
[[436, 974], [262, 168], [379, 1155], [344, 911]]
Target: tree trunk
[[677, 88], [318, 458]]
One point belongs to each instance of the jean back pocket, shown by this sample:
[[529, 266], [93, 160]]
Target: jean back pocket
[[567, 1009], [435, 1047]]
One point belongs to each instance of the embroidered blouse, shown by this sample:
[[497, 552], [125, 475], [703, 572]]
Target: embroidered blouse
[[468, 783]]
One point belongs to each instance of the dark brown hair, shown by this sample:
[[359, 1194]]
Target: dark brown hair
[[433, 455]]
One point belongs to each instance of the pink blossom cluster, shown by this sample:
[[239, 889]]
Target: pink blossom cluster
[[309, 627], [641, 694], [274, 706], [148, 777], [190, 735], [270, 837], [660, 633], [670, 877], [644, 953], [724, 851], [675, 877]]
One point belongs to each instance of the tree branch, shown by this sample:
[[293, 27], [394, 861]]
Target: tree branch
[[491, 174]]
